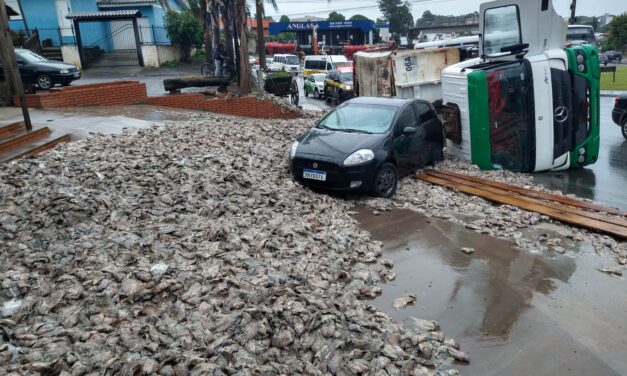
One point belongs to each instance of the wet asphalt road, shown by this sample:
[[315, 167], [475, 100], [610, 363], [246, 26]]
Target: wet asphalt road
[[606, 180], [513, 312]]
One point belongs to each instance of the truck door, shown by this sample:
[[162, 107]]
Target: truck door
[[506, 23]]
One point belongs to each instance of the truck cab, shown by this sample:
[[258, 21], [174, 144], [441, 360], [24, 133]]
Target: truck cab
[[526, 104]]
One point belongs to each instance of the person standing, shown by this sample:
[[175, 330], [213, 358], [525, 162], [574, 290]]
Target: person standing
[[220, 57]]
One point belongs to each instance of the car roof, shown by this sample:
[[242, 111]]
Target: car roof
[[386, 101]]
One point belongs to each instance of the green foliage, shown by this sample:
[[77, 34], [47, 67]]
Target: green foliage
[[268, 18], [185, 30], [398, 14], [429, 18], [358, 17], [335, 16], [279, 74], [284, 18], [617, 33], [170, 64], [19, 37]]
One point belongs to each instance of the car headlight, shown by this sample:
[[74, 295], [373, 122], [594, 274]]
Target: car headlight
[[293, 150], [348, 87], [359, 157], [64, 71]]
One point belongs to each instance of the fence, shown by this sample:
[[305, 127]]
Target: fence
[[95, 34]]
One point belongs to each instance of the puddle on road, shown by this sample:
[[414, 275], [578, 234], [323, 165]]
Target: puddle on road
[[503, 304]]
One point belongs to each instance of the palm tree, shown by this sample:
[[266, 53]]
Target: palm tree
[[241, 16], [261, 42]]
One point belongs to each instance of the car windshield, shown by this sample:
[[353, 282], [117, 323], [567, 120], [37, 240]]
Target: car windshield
[[30, 57], [360, 118], [343, 64], [292, 60], [320, 77], [345, 76]]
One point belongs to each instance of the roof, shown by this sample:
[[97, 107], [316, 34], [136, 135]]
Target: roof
[[252, 23], [104, 15], [385, 101], [118, 3]]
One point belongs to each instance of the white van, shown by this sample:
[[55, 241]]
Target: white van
[[324, 63], [287, 62]]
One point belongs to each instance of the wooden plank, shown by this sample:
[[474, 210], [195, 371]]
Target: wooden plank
[[536, 194], [557, 206], [561, 215]]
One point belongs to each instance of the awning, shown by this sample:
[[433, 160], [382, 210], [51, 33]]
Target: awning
[[124, 3], [104, 15], [10, 11]]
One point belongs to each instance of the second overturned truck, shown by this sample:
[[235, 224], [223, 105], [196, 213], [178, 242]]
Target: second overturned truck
[[525, 104]]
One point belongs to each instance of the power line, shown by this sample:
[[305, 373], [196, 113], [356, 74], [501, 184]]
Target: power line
[[350, 8]]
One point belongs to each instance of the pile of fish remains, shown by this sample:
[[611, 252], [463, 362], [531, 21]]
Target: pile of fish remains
[[188, 249]]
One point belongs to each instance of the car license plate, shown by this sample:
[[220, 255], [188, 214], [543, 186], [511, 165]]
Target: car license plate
[[315, 175], [77, 74]]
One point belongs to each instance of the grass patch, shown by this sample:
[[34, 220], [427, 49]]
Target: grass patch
[[170, 64], [619, 84]]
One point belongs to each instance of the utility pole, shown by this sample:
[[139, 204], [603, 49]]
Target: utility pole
[[9, 64], [573, 5]]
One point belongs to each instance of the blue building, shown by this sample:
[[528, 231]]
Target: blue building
[[49, 18]]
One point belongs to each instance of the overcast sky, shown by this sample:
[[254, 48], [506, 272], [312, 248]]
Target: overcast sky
[[369, 8]]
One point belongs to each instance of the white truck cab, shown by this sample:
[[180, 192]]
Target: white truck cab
[[525, 104]]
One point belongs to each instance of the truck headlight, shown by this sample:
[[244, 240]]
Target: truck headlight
[[581, 68], [359, 157], [64, 71], [580, 58], [293, 149]]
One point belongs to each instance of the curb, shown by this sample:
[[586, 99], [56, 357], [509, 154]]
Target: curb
[[612, 93]]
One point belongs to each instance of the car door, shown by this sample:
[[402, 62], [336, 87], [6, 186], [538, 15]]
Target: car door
[[431, 126], [27, 71], [405, 144]]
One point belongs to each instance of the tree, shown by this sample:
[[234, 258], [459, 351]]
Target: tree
[[617, 33], [335, 16], [261, 41], [398, 14], [185, 30], [284, 18], [358, 17]]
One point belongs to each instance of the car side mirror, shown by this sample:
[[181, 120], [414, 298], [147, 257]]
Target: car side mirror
[[409, 130]]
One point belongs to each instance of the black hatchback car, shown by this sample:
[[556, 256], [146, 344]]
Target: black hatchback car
[[619, 114], [37, 70], [365, 143]]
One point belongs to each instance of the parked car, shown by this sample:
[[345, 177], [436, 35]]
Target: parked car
[[365, 143], [339, 85], [603, 59], [619, 113], [314, 85], [37, 70], [613, 55]]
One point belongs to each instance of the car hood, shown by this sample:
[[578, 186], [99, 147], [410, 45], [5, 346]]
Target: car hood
[[348, 83], [53, 65], [335, 144]]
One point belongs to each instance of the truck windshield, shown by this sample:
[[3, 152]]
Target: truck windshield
[[511, 110], [501, 28], [292, 60]]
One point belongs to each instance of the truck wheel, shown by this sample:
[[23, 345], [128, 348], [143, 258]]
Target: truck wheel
[[623, 127]]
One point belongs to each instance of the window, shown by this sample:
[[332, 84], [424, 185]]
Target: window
[[407, 118], [424, 112], [501, 28], [361, 117], [292, 60]]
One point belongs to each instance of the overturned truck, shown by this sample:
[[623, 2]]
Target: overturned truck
[[526, 104]]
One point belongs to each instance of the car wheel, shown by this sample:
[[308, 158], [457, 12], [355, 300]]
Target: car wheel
[[327, 98], [316, 94], [624, 127], [437, 155], [44, 82], [385, 181], [306, 93]]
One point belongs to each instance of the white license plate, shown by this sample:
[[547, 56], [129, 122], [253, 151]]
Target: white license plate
[[77, 74], [315, 175]]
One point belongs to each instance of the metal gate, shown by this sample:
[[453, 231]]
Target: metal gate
[[108, 38], [109, 43]]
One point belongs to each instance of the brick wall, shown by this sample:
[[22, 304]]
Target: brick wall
[[104, 94], [133, 92]]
